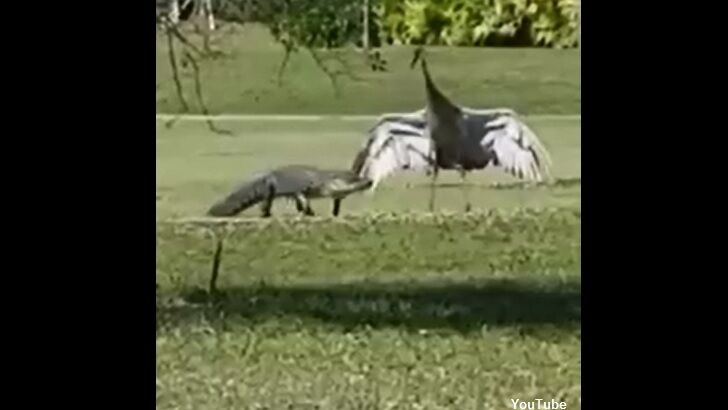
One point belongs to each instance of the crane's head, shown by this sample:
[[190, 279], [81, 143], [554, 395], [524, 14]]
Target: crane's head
[[419, 55]]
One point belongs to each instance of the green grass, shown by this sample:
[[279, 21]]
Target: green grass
[[196, 167], [531, 81], [398, 311], [404, 310], [385, 307]]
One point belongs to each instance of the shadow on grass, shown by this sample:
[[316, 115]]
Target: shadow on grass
[[462, 306]]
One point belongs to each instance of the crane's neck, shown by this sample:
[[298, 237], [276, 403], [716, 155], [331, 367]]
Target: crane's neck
[[436, 100]]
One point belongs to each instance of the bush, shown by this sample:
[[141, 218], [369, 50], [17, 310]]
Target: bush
[[547, 23], [315, 23], [334, 23]]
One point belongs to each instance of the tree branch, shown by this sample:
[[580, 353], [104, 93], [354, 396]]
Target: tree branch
[[284, 63], [332, 75], [172, 32], [174, 29], [347, 70], [200, 99], [175, 70], [206, 50]]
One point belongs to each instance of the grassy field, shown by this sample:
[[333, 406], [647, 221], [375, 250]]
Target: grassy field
[[195, 167], [402, 311], [386, 307], [531, 81], [389, 312]]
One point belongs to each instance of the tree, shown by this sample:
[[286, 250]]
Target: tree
[[307, 25]]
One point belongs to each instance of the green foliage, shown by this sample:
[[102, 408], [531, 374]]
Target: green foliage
[[550, 23], [334, 23], [314, 23], [305, 23], [555, 23]]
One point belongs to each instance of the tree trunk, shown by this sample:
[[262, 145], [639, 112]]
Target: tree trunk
[[173, 11], [365, 34]]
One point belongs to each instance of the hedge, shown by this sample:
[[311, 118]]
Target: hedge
[[334, 23], [546, 23]]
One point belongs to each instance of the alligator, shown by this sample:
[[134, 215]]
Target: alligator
[[298, 182]]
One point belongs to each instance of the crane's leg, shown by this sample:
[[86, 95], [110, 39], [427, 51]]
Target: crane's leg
[[461, 159], [337, 206], [435, 171], [466, 190]]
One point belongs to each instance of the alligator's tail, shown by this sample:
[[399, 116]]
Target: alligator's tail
[[243, 198]]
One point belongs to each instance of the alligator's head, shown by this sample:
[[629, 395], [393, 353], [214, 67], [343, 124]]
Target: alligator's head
[[346, 182]]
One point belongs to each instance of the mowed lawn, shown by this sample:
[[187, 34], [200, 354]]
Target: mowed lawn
[[401, 310], [196, 167], [398, 311], [531, 81], [386, 307]]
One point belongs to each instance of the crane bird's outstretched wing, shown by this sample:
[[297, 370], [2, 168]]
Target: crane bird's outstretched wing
[[399, 142], [517, 148], [396, 143]]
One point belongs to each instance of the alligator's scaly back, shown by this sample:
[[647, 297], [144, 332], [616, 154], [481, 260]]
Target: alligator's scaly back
[[242, 198]]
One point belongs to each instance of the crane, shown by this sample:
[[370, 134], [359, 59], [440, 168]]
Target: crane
[[444, 135]]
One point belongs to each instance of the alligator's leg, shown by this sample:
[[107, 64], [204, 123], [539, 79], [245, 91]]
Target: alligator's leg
[[300, 204], [337, 206], [303, 205], [309, 211], [268, 201]]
